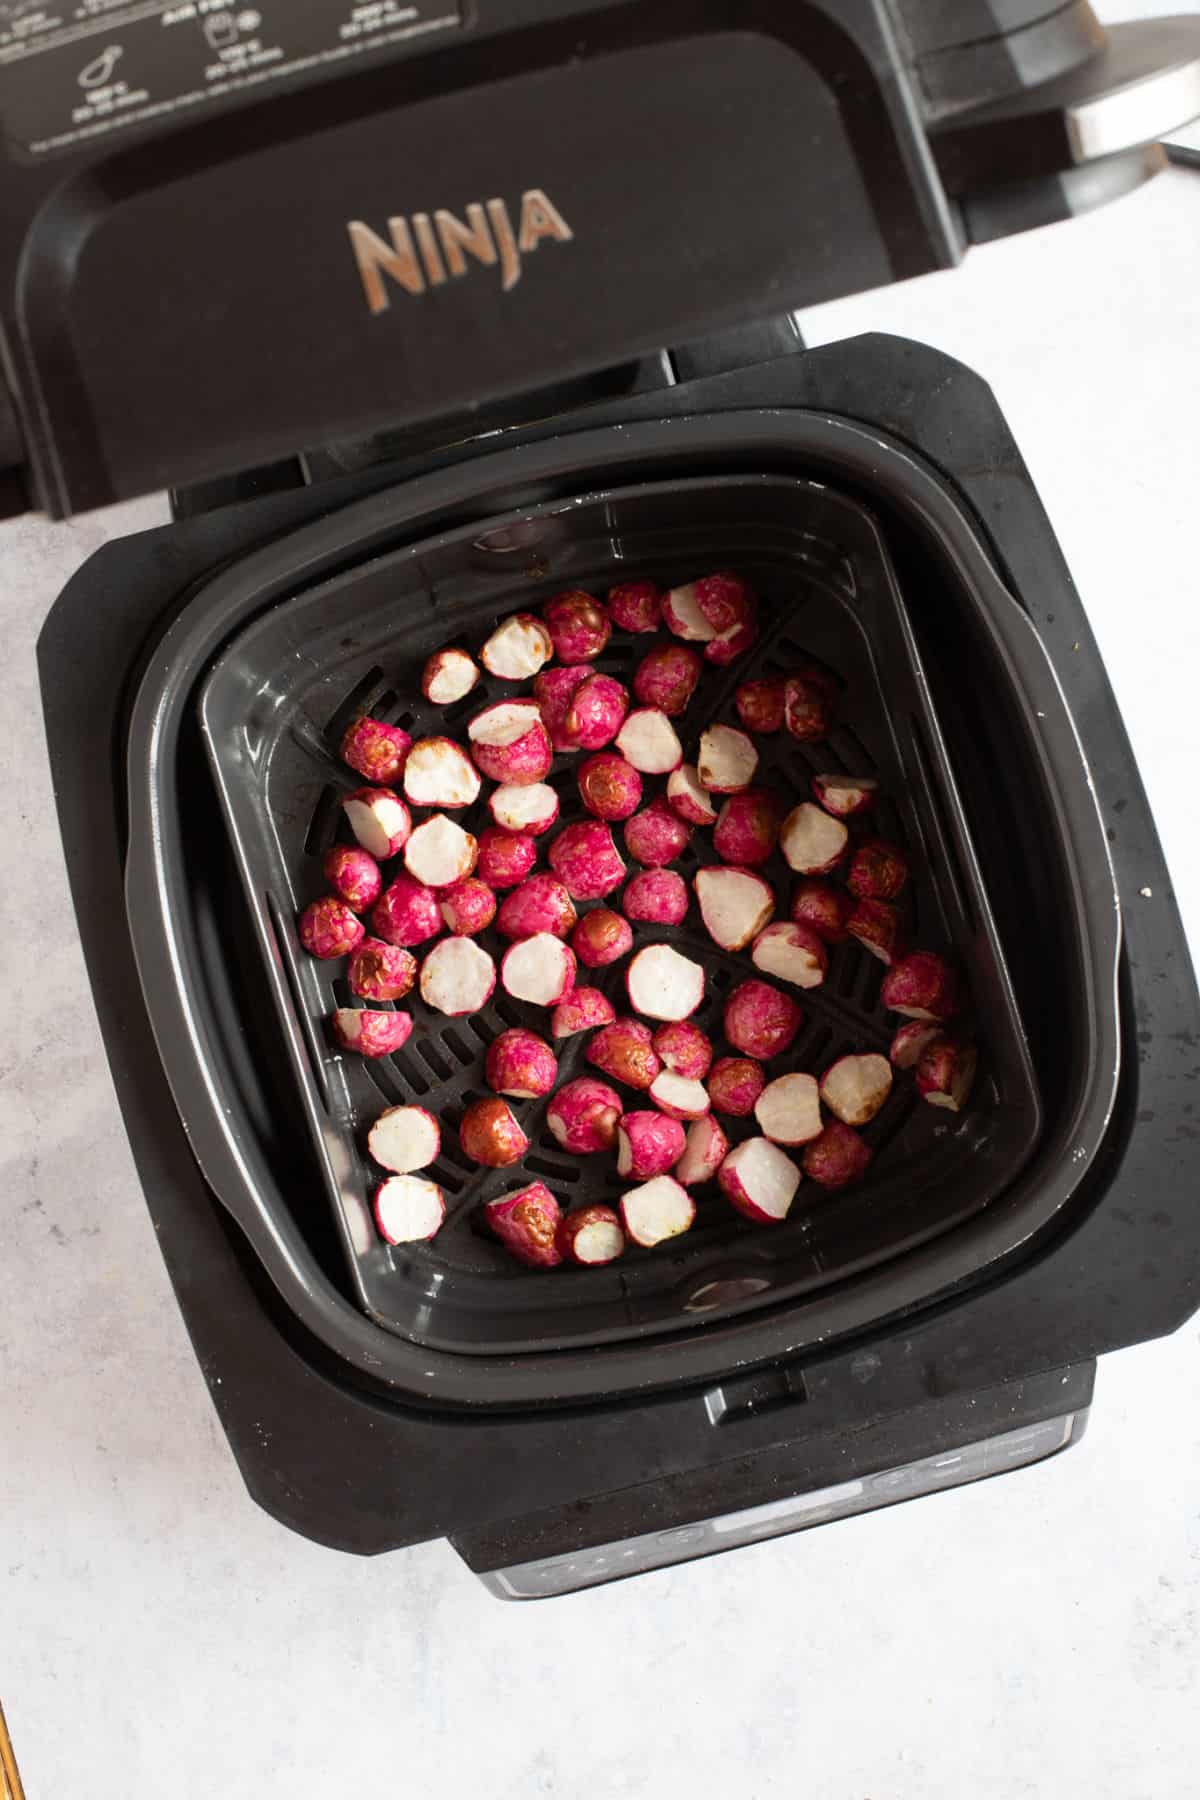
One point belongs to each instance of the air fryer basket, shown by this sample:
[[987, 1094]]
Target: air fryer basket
[[273, 711]]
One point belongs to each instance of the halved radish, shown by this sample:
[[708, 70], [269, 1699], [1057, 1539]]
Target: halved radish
[[405, 1139], [635, 606], [490, 1135], [836, 1158], [707, 1147], [658, 1210], [376, 751], [578, 626], [649, 741], [457, 977], [812, 841], [601, 937], [371, 1033], [748, 829], [789, 1110], [586, 860], [625, 1050], [667, 678], [379, 819], [855, 1087], [505, 857], [449, 676], [824, 908], [686, 796], [810, 701], [727, 760], [438, 773], [922, 985], [518, 648], [553, 690], [878, 871], [408, 1209], [945, 1073], [908, 1046], [657, 835], [539, 969], [735, 904], [406, 913], [527, 1224], [725, 600], [595, 712], [440, 853], [656, 897], [760, 1180], [663, 984], [521, 1065], [678, 1096], [683, 617], [684, 1048], [354, 875], [846, 796], [532, 809], [734, 1084], [468, 907], [609, 787], [791, 953], [591, 1235], [876, 925], [584, 1009], [648, 1144], [380, 971], [539, 903], [510, 744], [760, 1021], [583, 1115], [727, 646], [760, 705]]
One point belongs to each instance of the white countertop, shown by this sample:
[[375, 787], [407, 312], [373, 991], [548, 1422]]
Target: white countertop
[[1037, 1635]]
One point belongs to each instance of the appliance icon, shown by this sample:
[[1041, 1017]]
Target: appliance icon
[[221, 30], [100, 71]]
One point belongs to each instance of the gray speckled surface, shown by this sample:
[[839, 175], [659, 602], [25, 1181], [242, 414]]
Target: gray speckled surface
[[1035, 1636]]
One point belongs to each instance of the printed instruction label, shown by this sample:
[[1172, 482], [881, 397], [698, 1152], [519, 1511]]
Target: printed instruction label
[[74, 72]]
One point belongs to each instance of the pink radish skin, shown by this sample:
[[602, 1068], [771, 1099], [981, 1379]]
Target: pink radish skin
[[846, 796], [376, 751], [667, 677], [725, 600], [684, 1049], [734, 1084], [510, 744], [648, 740], [517, 649], [521, 1065], [609, 787], [553, 691], [657, 835], [648, 1144], [761, 1180], [946, 1072], [855, 1087], [735, 905], [747, 829], [579, 626], [837, 1158], [457, 977], [380, 971], [656, 897], [922, 986], [353, 875], [590, 1236], [809, 703], [760, 706], [878, 871], [586, 860], [875, 924], [824, 909], [490, 1135], [789, 1110], [371, 1033], [539, 969], [449, 676], [625, 1051], [328, 929], [760, 1021], [635, 606], [408, 1209], [911, 1042], [813, 843], [405, 1139], [532, 809], [584, 1009], [438, 773], [583, 1116], [688, 799], [727, 646], [727, 760], [664, 985], [527, 1224], [658, 1210], [440, 854], [505, 857], [707, 1147], [683, 618], [678, 1097], [468, 907], [596, 712], [541, 903], [791, 953], [379, 819], [406, 913], [601, 937]]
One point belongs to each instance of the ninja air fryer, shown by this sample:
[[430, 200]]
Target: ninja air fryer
[[423, 313]]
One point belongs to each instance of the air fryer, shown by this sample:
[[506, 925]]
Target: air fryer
[[424, 323]]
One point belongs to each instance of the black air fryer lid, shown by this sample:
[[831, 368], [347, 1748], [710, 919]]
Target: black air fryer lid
[[231, 234]]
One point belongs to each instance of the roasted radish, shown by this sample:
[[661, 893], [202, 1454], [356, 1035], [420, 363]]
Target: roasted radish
[[760, 1021], [846, 796], [748, 828], [379, 819], [353, 875], [657, 835], [855, 1087], [625, 1051], [725, 600], [648, 1144], [440, 853], [706, 1149], [584, 1009], [684, 1049], [405, 1139], [824, 908], [601, 937], [945, 1073], [583, 1116], [791, 953], [686, 797], [760, 1179], [595, 714], [812, 841], [591, 1235], [438, 773], [541, 903], [635, 606], [531, 809], [490, 1135], [789, 1110], [609, 787], [667, 677], [376, 751], [760, 706], [578, 625], [505, 857], [409, 1209], [539, 969], [682, 616], [656, 897], [517, 649], [553, 691], [911, 1042], [521, 1065], [527, 1224], [369, 1033], [809, 703], [449, 676], [380, 971], [648, 740], [734, 1084], [836, 1158], [678, 1097], [875, 924], [727, 760], [735, 904], [727, 646], [878, 871], [406, 913], [663, 984], [457, 977], [328, 928], [468, 907], [922, 986], [586, 860], [510, 744], [658, 1210]]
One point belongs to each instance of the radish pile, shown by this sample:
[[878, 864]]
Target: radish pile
[[564, 899]]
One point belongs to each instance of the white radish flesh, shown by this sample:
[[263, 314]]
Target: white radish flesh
[[517, 649], [663, 984], [678, 1096], [440, 853], [812, 841], [657, 1210], [761, 1180], [404, 1139], [449, 676], [789, 1110], [707, 1148], [688, 798], [734, 904], [682, 615], [539, 969], [501, 725], [532, 809], [380, 821], [855, 1087], [650, 742], [727, 760], [457, 977], [409, 1210], [438, 773], [792, 953]]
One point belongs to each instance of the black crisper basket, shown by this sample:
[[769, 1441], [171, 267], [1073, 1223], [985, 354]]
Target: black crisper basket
[[272, 712]]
